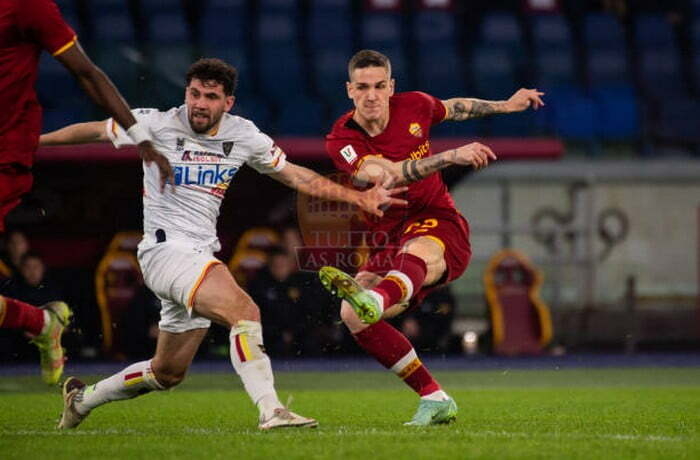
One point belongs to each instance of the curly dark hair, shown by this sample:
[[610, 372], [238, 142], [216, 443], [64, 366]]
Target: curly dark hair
[[213, 69], [368, 58]]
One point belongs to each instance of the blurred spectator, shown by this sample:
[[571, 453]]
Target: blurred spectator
[[429, 326], [30, 284], [291, 240], [16, 245], [139, 326], [296, 311], [277, 296]]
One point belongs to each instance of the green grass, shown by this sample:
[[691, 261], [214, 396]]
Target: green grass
[[632, 413]]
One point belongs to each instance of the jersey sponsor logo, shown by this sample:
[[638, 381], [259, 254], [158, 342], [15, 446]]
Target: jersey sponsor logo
[[201, 156], [203, 175], [227, 146], [415, 129], [420, 152], [348, 153]]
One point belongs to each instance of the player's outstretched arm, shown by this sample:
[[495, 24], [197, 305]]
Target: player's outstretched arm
[[312, 183], [376, 169], [103, 92], [78, 133], [460, 108]]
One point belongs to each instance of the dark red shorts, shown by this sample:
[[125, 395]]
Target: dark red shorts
[[14, 182], [448, 227]]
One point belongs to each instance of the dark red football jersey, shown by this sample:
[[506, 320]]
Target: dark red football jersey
[[411, 115], [26, 28]]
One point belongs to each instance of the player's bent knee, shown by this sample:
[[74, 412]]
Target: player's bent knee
[[168, 377]]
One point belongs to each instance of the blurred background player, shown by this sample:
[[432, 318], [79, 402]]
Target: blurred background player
[[426, 245], [27, 28], [208, 146]]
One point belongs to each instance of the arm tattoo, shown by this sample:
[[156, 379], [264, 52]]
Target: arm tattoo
[[481, 109], [415, 170], [404, 170], [458, 112]]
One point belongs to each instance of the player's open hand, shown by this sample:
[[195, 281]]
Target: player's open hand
[[523, 99], [378, 198], [148, 154], [475, 154]]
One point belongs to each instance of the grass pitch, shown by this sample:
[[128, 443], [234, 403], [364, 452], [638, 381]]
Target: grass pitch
[[628, 413]]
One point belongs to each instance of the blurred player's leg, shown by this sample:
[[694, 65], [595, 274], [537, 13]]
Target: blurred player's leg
[[45, 325], [220, 299], [173, 357]]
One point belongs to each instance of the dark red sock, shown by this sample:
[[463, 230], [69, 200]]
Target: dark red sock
[[406, 268], [395, 352], [20, 315]]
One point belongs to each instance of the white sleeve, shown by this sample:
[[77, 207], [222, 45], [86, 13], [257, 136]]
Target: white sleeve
[[117, 134], [265, 157]]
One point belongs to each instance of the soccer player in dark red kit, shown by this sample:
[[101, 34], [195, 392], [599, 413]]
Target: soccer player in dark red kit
[[28, 27], [424, 245]]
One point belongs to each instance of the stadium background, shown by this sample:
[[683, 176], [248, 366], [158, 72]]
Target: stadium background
[[618, 137]]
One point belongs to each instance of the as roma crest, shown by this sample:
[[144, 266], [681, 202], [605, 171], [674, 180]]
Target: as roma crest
[[415, 129]]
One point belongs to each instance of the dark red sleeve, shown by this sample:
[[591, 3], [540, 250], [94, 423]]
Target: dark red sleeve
[[43, 22], [347, 155], [435, 107]]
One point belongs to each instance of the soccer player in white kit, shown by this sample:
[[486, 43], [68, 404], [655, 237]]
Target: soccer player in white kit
[[206, 146]]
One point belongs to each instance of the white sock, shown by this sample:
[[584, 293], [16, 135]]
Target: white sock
[[436, 396], [47, 321], [379, 297], [253, 366], [131, 382]]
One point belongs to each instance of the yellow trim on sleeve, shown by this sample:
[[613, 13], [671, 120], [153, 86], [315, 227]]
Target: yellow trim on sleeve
[[66, 46]]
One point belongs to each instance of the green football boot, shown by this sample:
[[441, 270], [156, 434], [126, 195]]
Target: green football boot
[[344, 286], [49, 343], [434, 413]]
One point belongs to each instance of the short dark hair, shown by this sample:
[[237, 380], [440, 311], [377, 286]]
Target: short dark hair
[[368, 58], [213, 69]]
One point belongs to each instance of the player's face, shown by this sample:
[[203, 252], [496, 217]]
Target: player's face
[[206, 103], [370, 89]]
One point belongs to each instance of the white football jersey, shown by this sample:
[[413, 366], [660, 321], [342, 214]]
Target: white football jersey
[[204, 166]]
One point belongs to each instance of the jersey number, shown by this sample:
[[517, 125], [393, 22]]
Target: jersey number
[[421, 226]]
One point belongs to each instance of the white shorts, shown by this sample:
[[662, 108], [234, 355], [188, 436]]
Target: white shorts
[[173, 270]]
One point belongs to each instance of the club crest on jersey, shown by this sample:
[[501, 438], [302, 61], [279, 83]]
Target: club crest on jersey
[[415, 129], [349, 154], [227, 146], [180, 144]]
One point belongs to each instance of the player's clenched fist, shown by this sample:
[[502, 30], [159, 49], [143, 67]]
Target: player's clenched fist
[[475, 154]]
